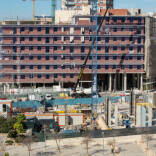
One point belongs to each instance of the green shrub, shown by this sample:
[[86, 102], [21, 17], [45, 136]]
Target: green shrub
[[6, 124], [12, 134], [6, 154], [9, 142]]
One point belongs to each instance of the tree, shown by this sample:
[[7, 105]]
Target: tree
[[27, 141], [146, 138], [19, 123], [114, 148], [57, 138], [87, 139]]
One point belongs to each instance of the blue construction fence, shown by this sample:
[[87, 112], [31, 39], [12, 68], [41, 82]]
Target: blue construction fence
[[49, 103]]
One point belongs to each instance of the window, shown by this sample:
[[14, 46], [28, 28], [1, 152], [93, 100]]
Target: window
[[98, 57], [122, 67], [55, 38], [130, 48], [30, 28], [15, 76], [64, 48], [114, 57], [82, 57], [47, 67], [22, 29], [122, 39], [31, 66], [47, 49], [30, 38], [39, 29], [22, 76], [131, 29], [22, 57], [71, 49], [14, 57], [22, 67], [114, 39], [131, 39], [39, 47], [131, 57], [107, 40], [71, 75], [99, 48], [90, 66], [22, 48], [122, 29], [47, 39], [139, 40], [31, 76], [130, 66], [39, 57], [47, 57], [14, 67], [55, 75], [39, 76], [106, 57], [138, 57], [123, 57], [106, 66], [39, 67], [63, 67], [55, 29], [55, 57], [22, 39], [106, 49], [99, 39], [63, 57], [55, 66], [115, 29], [47, 30], [90, 57], [55, 48], [47, 76], [14, 49], [122, 48], [99, 66], [31, 48], [64, 75], [115, 48], [114, 67], [139, 49], [31, 57], [71, 57], [138, 66], [82, 49], [39, 38]]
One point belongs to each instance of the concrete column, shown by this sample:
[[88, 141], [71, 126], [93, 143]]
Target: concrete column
[[125, 82], [110, 82], [141, 82]]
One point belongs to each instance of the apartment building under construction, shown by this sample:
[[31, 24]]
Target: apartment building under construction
[[41, 53]]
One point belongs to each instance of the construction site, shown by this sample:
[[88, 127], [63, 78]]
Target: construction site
[[87, 66]]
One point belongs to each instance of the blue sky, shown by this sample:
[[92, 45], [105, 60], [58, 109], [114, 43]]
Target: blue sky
[[10, 9]]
